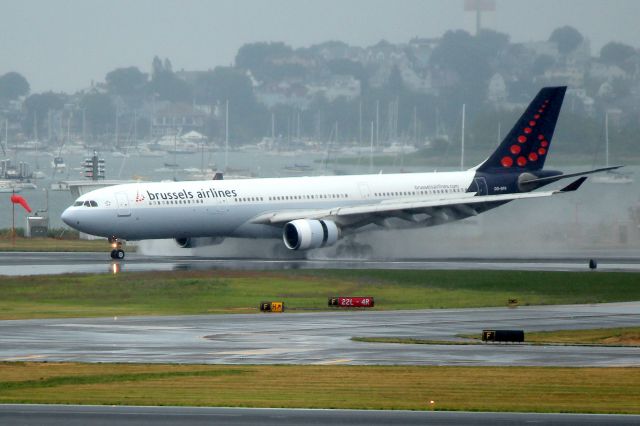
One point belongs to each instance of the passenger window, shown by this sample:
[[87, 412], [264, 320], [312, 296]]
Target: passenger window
[[93, 203], [77, 203], [87, 204]]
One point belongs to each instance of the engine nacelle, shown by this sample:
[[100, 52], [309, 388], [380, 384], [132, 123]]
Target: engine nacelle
[[198, 242], [304, 234]]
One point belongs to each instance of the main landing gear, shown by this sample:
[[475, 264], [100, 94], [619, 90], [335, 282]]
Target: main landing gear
[[116, 246]]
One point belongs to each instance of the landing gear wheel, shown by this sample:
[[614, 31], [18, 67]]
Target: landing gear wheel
[[116, 252]]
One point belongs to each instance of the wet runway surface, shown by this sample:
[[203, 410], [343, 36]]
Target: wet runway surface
[[32, 263], [320, 338], [70, 415]]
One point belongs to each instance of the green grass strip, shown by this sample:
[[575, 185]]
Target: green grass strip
[[110, 378], [522, 389], [207, 292]]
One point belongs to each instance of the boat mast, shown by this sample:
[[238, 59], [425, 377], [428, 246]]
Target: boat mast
[[462, 139], [606, 138], [226, 138]]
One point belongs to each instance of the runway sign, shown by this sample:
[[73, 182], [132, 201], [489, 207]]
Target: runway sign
[[503, 336], [272, 306], [351, 302]]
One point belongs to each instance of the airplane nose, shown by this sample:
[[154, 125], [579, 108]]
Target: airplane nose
[[68, 217]]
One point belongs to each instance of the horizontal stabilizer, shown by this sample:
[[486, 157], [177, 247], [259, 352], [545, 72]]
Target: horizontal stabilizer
[[574, 185], [549, 179]]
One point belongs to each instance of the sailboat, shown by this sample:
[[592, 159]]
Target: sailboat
[[611, 176]]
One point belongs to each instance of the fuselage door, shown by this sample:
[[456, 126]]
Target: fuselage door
[[123, 204], [481, 186], [221, 205], [364, 190]]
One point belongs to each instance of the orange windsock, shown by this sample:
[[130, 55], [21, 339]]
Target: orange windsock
[[17, 199]]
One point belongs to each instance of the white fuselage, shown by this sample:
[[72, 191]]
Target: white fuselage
[[225, 208]]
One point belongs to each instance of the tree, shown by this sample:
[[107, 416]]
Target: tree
[[247, 116], [13, 85], [165, 84], [491, 43], [37, 108], [253, 55], [542, 64], [99, 112], [458, 53], [224, 83], [618, 54], [126, 81], [566, 38]]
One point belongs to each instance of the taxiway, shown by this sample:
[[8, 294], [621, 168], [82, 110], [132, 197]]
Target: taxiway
[[71, 415], [320, 338]]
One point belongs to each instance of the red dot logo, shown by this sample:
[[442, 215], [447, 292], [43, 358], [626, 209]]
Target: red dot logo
[[540, 137], [542, 151], [522, 161], [546, 101], [532, 123], [522, 139], [506, 161], [540, 110], [533, 156], [544, 144], [515, 149], [527, 130], [536, 116]]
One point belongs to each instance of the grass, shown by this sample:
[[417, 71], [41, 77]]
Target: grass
[[523, 389], [623, 336], [52, 244], [205, 292]]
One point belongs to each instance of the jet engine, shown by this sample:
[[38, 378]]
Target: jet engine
[[198, 242], [303, 234]]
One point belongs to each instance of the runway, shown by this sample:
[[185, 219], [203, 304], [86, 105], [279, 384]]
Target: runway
[[40, 263], [71, 415], [320, 338]]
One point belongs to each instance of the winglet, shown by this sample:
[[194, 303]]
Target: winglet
[[574, 185]]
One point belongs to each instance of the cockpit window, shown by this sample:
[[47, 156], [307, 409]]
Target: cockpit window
[[87, 203]]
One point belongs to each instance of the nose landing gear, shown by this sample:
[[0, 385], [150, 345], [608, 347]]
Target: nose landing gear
[[116, 246]]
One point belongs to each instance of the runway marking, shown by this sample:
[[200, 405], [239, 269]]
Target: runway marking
[[24, 358], [120, 326], [266, 351], [334, 361]]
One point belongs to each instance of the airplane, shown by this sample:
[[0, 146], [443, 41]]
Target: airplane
[[313, 212]]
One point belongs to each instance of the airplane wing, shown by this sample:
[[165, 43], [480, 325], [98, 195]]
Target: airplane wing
[[415, 210]]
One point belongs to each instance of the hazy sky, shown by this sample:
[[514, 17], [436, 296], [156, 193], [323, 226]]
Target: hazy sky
[[63, 45]]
